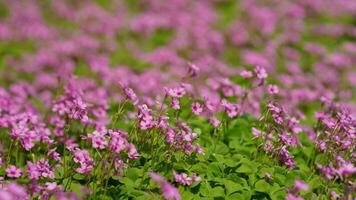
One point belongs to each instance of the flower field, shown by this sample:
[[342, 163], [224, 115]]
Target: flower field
[[177, 99]]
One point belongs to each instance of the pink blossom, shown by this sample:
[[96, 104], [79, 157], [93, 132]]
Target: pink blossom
[[83, 158], [39, 169], [175, 104], [230, 108], [256, 132], [215, 121], [145, 118], [293, 197], [260, 72], [300, 186], [98, 139], [193, 70], [168, 190], [131, 95], [197, 108], [347, 169], [177, 92], [273, 89], [334, 195], [184, 179], [13, 172], [246, 74]]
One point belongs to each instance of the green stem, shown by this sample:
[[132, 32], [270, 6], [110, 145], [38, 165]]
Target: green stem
[[17, 152], [9, 153]]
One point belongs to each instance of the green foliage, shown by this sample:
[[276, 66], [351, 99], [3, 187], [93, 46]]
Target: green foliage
[[231, 168]]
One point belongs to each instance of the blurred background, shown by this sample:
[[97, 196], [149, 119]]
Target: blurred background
[[308, 47]]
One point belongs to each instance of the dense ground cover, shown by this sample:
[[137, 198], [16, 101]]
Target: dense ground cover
[[178, 99]]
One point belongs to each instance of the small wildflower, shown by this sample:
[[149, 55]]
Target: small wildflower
[[175, 104], [214, 121], [273, 89], [246, 74], [260, 72], [177, 92], [197, 108], [131, 95], [193, 70], [168, 190], [13, 172], [300, 186]]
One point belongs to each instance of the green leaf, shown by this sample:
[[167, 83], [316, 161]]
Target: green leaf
[[230, 162], [235, 196], [214, 169], [128, 182], [205, 189], [262, 186], [247, 167], [134, 173], [276, 192], [187, 195], [79, 177], [217, 192], [232, 187], [316, 182], [104, 197], [221, 148], [199, 168]]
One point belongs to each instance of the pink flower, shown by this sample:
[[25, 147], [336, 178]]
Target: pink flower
[[197, 108], [175, 104], [168, 190], [132, 151], [157, 178], [347, 169], [293, 197], [256, 132], [131, 95], [13, 191], [193, 70], [177, 92], [184, 179], [300, 186], [52, 153], [230, 108], [196, 178], [13, 172], [146, 120], [98, 139], [246, 74], [273, 89], [39, 169], [334, 195], [214, 121], [162, 122], [118, 141], [260, 72], [286, 158], [83, 158], [51, 186]]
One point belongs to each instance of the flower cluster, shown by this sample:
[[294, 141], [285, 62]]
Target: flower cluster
[[281, 133], [83, 158], [91, 89], [39, 169], [184, 179]]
